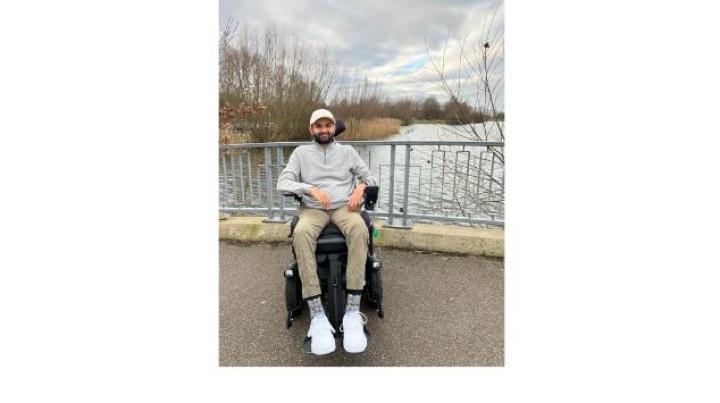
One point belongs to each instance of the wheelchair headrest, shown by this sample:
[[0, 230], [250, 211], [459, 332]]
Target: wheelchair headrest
[[339, 127]]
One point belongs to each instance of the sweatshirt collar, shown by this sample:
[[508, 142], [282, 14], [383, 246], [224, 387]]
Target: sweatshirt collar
[[329, 147]]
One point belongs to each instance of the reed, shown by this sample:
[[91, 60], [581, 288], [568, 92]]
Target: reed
[[370, 129]]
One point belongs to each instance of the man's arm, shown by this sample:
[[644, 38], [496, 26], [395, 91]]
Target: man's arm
[[289, 179], [361, 170], [362, 173]]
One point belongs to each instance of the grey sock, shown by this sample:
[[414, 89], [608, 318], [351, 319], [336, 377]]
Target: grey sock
[[353, 303], [316, 308]]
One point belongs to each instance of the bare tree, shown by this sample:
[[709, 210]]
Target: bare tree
[[475, 99], [274, 79], [479, 68]]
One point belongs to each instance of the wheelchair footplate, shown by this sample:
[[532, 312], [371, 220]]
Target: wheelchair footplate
[[306, 344]]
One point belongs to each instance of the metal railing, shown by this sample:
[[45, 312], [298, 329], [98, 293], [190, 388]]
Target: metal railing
[[463, 181]]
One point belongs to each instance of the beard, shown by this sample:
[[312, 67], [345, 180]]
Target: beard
[[323, 138]]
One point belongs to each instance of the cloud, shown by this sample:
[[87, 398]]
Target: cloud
[[384, 39]]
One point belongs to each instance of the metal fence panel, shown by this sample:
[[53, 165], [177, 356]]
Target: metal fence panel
[[463, 181]]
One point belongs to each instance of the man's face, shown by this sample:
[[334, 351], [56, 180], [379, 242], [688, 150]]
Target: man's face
[[323, 130]]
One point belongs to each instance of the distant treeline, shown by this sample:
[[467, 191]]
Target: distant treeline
[[270, 83], [407, 110]]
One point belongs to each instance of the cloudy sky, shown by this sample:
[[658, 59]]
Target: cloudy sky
[[385, 40]]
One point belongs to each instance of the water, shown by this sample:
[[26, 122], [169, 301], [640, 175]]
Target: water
[[442, 180]]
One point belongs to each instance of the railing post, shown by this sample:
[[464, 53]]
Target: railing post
[[407, 186], [250, 178], [492, 173], [268, 182], [467, 173], [271, 186], [479, 180], [392, 185], [280, 163], [442, 182], [430, 185], [406, 189], [492, 179], [225, 179], [242, 181], [234, 179]]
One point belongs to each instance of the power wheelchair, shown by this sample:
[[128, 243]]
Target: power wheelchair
[[331, 256]]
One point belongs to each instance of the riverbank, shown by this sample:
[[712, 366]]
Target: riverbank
[[443, 122], [356, 129]]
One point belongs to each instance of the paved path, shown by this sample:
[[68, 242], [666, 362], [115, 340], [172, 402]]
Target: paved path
[[440, 310]]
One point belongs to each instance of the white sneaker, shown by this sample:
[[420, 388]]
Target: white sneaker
[[321, 335], [354, 339]]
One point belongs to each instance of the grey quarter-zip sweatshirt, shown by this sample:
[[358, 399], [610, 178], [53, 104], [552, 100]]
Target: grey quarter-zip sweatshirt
[[333, 169]]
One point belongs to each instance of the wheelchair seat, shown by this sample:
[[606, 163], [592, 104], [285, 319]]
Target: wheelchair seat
[[331, 240]]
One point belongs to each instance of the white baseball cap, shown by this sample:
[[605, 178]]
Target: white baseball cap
[[321, 113]]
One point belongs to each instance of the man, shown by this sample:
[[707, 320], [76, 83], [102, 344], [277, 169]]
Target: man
[[325, 173]]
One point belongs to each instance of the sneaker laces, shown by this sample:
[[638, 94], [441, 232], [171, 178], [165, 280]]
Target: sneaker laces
[[318, 324], [363, 319]]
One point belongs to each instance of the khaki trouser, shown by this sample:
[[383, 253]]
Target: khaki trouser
[[307, 230]]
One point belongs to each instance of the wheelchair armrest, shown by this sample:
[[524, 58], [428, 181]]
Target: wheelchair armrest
[[371, 196], [294, 195]]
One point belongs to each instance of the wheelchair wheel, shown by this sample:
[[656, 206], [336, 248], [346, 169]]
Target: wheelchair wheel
[[293, 296], [374, 290]]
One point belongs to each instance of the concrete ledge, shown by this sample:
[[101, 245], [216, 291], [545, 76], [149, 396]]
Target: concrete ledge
[[445, 238], [253, 229], [426, 237]]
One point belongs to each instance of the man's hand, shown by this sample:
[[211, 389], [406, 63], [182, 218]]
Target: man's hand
[[356, 197], [320, 196]]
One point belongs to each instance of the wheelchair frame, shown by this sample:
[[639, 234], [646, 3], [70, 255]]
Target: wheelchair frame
[[331, 265]]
